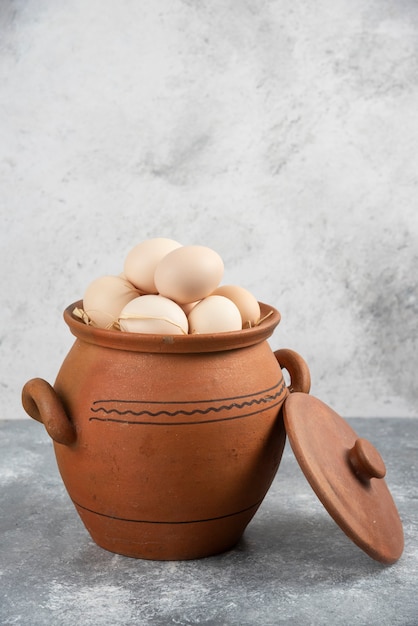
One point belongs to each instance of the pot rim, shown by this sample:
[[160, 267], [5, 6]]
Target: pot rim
[[142, 342]]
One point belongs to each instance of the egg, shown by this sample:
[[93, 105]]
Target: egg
[[153, 314], [188, 306], [141, 261], [214, 314], [189, 273], [244, 300], [105, 297]]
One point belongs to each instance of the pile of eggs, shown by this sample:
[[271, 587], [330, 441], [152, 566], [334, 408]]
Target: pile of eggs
[[171, 289]]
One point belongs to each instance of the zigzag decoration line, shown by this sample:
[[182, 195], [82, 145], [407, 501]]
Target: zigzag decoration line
[[201, 401], [223, 407], [212, 409]]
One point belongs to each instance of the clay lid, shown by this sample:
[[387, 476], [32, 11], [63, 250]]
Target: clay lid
[[347, 474]]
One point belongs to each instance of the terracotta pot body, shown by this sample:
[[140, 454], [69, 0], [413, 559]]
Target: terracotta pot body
[[167, 445]]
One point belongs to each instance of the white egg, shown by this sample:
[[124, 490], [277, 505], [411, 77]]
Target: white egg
[[153, 314], [244, 300], [189, 273], [214, 314], [141, 261], [105, 297]]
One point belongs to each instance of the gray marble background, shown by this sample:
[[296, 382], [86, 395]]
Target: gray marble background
[[281, 133]]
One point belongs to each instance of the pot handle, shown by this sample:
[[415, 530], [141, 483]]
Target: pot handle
[[42, 403], [300, 377]]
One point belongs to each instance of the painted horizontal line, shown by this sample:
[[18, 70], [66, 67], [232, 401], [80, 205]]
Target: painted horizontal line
[[200, 422], [196, 521], [211, 409], [263, 391]]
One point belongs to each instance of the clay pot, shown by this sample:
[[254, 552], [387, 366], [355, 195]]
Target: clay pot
[[167, 445]]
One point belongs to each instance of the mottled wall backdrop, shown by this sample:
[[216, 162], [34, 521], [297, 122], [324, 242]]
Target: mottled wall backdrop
[[281, 133]]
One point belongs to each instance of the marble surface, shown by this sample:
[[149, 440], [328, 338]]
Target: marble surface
[[293, 565], [282, 134]]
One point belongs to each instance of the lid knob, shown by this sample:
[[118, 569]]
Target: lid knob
[[366, 461]]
